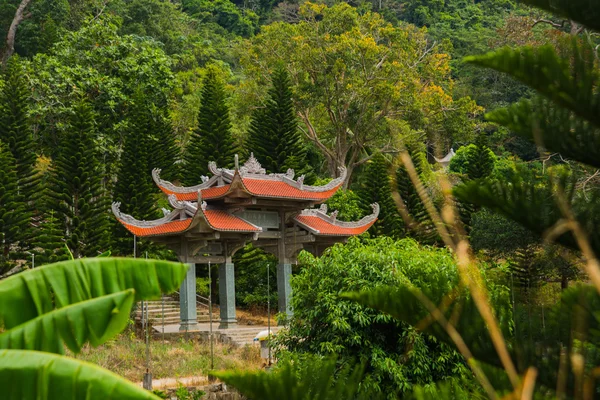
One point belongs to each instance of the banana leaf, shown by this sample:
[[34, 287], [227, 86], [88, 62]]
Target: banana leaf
[[35, 375], [94, 321], [38, 291]]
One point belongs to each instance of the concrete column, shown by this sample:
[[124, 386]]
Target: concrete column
[[284, 288], [227, 295], [187, 301]]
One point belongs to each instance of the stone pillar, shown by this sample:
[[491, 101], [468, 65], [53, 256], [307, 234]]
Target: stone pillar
[[284, 288], [227, 295], [187, 301]]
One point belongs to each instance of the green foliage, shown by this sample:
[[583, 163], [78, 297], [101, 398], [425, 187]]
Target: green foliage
[[108, 69], [225, 13], [310, 379], [421, 226], [474, 161], [347, 203], [377, 189], [397, 356], [252, 265], [49, 243], [76, 192], [69, 304], [14, 219], [274, 137], [15, 127], [35, 375], [212, 139]]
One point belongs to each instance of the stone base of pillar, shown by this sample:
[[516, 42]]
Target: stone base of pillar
[[284, 291], [186, 326], [227, 296]]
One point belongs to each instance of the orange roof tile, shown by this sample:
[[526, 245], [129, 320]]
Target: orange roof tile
[[223, 221], [329, 229], [164, 229], [278, 189], [259, 188], [210, 193]]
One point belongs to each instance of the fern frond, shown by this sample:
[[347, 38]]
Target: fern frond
[[570, 80]]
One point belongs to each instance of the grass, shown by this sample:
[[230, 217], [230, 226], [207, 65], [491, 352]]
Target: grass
[[125, 355]]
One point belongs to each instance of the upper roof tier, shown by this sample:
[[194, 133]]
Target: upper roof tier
[[251, 179]]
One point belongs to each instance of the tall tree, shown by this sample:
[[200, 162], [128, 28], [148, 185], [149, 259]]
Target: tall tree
[[420, 226], [15, 130], [49, 243], [9, 45], [377, 189], [76, 193], [274, 136], [212, 139], [148, 144], [14, 219]]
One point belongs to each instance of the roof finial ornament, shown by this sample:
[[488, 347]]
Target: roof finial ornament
[[300, 181], [334, 215], [252, 166], [323, 208]]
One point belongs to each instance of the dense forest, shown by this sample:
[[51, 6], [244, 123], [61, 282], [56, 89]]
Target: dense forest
[[95, 94]]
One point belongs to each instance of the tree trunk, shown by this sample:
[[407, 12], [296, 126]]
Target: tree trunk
[[564, 282], [9, 47]]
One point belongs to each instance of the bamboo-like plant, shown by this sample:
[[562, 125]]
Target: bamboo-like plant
[[69, 304]]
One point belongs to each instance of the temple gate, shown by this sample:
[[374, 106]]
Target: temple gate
[[209, 222]]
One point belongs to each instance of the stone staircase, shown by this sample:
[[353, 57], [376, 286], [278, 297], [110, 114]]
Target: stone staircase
[[171, 312]]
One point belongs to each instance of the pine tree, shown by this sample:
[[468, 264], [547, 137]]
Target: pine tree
[[480, 160], [163, 149], [377, 189], [15, 130], [75, 187], [212, 139], [274, 137], [135, 189], [49, 243], [14, 219], [423, 229]]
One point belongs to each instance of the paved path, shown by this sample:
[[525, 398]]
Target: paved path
[[239, 336]]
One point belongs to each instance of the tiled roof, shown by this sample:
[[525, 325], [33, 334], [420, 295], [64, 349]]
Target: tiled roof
[[326, 228], [223, 221], [209, 193], [258, 188], [278, 189], [164, 229]]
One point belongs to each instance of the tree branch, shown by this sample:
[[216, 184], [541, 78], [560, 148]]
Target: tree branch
[[20, 15]]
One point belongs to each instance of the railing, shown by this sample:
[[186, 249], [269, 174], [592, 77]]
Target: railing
[[200, 300]]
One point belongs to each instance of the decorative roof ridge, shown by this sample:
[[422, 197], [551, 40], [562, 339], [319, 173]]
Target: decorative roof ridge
[[321, 212], [128, 219], [206, 183], [334, 183]]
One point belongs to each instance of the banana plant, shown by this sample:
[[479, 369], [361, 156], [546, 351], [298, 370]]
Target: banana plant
[[69, 304]]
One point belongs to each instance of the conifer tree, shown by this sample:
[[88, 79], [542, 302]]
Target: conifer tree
[[480, 160], [377, 189], [274, 137], [49, 243], [164, 152], [14, 219], [75, 187], [212, 139], [15, 131], [423, 228], [142, 151]]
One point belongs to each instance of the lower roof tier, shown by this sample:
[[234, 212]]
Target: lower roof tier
[[188, 217]]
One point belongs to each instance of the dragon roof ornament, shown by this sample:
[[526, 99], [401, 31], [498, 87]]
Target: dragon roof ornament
[[321, 212], [128, 219], [181, 189]]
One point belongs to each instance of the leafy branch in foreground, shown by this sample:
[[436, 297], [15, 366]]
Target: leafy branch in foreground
[[69, 304]]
